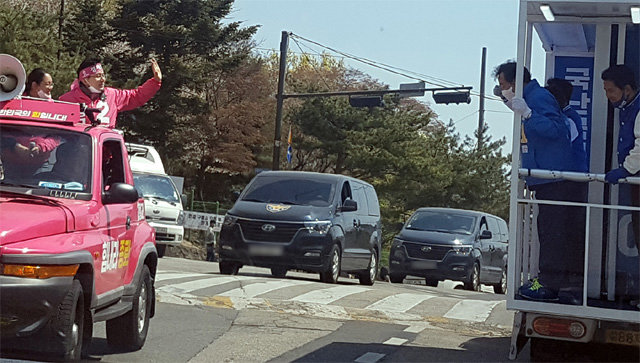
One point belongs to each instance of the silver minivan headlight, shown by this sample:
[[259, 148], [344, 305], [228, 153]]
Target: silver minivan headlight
[[321, 227]]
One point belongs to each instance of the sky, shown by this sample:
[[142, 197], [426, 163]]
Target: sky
[[438, 38]]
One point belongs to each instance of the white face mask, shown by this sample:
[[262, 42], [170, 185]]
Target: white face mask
[[93, 90], [41, 94], [508, 94]]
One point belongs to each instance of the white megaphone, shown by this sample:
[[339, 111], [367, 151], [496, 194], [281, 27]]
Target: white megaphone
[[12, 77]]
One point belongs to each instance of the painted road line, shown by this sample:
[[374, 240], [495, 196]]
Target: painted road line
[[416, 328], [329, 295], [395, 341], [190, 286], [400, 302], [161, 276], [369, 357], [260, 288], [472, 310]]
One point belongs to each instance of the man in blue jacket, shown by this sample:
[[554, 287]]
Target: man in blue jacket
[[621, 90], [545, 144]]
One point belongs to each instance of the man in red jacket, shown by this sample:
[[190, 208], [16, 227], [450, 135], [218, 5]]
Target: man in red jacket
[[90, 89]]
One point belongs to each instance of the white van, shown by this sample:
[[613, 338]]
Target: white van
[[163, 201]]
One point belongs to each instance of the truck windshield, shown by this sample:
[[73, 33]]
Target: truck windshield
[[45, 158], [156, 186], [441, 222], [290, 191]]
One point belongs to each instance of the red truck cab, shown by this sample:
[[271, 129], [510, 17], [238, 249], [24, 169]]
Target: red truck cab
[[75, 247]]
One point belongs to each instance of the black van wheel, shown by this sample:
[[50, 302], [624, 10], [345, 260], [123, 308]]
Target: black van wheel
[[396, 278], [429, 281], [473, 281], [369, 277], [278, 272], [229, 268], [130, 330], [68, 324], [331, 275], [501, 286]]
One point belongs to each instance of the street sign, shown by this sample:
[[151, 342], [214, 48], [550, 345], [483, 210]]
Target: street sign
[[417, 86]]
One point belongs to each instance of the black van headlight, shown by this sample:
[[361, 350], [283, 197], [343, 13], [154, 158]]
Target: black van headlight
[[321, 227], [462, 250], [229, 220], [397, 242]]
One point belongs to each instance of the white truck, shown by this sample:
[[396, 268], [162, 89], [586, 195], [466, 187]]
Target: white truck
[[163, 200], [581, 39]]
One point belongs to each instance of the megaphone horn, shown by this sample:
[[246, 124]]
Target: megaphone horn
[[12, 77]]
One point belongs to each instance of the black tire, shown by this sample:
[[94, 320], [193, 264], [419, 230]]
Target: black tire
[[68, 325], [279, 272], [396, 278], [331, 275], [431, 282], [130, 330], [369, 277], [501, 287], [228, 268], [473, 281], [161, 249]]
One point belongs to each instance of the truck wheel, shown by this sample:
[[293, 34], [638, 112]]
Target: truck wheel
[[130, 330], [431, 282], [396, 278], [228, 268], [278, 272], [68, 324], [369, 277], [473, 282], [161, 250], [501, 287], [331, 275]]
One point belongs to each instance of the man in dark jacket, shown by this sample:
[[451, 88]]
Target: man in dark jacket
[[545, 144], [622, 91]]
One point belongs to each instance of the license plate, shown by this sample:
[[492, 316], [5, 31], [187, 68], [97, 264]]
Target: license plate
[[161, 229], [623, 337], [269, 251], [424, 265]]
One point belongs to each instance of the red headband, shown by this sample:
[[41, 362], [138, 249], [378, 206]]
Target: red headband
[[91, 70]]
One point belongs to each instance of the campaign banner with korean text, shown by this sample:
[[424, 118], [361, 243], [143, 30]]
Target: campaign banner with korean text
[[201, 221]]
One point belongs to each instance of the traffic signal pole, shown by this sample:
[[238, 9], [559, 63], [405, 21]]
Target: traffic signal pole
[[481, 111], [284, 45]]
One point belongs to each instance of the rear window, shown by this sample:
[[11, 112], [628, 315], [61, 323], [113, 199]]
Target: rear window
[[296, 191], [441, 222]]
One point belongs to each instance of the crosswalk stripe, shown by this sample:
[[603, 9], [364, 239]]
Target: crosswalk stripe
[[473, 310], [161, 276], [260, 288], [329, 295], [369, 357], [399, 302], [395, 341], [190, 286]]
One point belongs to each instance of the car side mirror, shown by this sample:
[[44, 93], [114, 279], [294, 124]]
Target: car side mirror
[[349, 205], [486, 234], [120, 193], [399, 225]]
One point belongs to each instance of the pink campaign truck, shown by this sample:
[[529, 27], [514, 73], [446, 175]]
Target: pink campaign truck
[[75, 248]]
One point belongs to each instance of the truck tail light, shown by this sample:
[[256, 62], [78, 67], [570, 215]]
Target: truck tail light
[[563, 328], [39, 271]]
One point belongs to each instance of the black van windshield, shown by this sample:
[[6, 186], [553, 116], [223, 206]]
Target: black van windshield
[[290, 191], [441, 222]]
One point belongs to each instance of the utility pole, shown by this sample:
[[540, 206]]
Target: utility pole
[[481, 111], [284, 45]]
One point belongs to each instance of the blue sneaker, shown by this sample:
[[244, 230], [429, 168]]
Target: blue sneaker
[[534, 290]]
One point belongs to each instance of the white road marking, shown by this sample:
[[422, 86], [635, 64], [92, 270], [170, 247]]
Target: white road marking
[[399, 302], [329, 295], [395, 341], [473, 310], [260, 288], [416, 328], [161, 276], [202, 284], [369, 357]]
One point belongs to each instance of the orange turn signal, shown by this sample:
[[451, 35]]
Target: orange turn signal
[[39, 272]]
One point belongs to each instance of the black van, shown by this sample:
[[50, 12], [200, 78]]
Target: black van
[[452, 244], [315, 222]]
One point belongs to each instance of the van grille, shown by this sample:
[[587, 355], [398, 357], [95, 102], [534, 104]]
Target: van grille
[[436, 252], [283, 232]]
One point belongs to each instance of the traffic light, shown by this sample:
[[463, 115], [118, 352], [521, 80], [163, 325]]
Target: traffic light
[[448, 97], [366, 101]]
